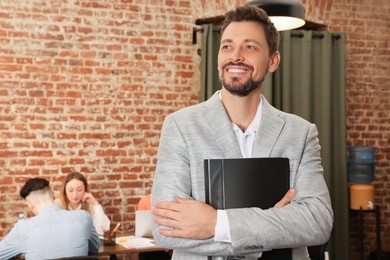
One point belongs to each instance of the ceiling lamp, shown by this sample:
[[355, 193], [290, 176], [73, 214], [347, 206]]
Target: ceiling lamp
[[285, 14]]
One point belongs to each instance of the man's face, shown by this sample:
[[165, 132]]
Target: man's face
[[243, 59]]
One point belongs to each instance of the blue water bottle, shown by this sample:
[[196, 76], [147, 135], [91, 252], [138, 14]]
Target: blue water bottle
[[361, 164]]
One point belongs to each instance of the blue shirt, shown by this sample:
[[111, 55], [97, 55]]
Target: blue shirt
[[53, 233]]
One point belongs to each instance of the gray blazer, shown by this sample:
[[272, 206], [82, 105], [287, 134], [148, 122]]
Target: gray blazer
[[204, 131]]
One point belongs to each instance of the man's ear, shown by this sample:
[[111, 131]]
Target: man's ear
[[274, 62], [31, 207]]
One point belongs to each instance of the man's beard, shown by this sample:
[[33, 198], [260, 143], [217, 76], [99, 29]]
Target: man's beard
[[242, 90]]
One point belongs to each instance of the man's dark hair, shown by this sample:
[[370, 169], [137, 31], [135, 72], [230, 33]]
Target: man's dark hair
[[252, 13], [33, 185]]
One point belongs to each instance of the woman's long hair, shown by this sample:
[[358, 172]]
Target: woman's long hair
[[64, 199]]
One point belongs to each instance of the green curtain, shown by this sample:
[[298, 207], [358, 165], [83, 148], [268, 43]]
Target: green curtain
[[310, 82], [208, 65]]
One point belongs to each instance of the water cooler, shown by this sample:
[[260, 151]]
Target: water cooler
[[361, 173]]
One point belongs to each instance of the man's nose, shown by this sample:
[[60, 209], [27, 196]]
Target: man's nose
[[237, 55]]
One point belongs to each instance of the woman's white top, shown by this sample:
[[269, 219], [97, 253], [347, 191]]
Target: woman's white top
[[99, 218]]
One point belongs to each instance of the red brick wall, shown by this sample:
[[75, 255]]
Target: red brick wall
[[85, 85]]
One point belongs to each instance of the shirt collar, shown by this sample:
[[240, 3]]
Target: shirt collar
[[78, 207], [255, 124], [49, 208]]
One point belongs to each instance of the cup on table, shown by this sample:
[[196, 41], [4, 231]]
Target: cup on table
[[109, 238]]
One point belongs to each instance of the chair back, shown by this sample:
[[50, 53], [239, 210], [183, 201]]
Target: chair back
[[88, 257], [317, 252]]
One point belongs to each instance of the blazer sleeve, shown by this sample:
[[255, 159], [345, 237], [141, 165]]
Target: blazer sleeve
[[173, 179]]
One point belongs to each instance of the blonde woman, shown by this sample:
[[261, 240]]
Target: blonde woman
[[75, 195]]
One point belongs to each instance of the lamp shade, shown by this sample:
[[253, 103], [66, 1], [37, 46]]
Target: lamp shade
[[285, 14]]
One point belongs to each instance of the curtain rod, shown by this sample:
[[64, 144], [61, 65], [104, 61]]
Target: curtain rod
[[215, 20], [315, 34]]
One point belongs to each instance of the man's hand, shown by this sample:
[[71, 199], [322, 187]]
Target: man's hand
[[286, 199], [188, 218]]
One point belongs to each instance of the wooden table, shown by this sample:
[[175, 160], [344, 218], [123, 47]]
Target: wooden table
[[113, 251]]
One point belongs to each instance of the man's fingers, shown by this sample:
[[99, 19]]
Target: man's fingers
[[167, 205], [286, 199], [165, 213], [183, 200], [170, 210], [185, 219], [167, 222]]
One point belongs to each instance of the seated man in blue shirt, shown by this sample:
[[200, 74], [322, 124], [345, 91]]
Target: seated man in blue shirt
[[52, 232]]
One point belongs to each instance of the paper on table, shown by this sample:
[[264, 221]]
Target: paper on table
[[133, 242]]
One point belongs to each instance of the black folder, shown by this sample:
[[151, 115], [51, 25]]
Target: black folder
[[248, 182]]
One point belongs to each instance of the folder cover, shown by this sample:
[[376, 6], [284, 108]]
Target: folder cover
[[248, 182]]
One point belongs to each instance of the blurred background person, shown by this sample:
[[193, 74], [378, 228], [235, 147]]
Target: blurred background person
[[52, 232], [75, 195]]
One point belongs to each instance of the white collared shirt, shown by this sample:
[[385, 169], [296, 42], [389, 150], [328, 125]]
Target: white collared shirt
[[245, 140], [99, 218]]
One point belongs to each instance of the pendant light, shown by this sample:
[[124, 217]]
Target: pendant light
[[285, 14]]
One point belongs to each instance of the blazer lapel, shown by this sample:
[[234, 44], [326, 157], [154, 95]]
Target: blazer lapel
[[270, 127], [220, 128]]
